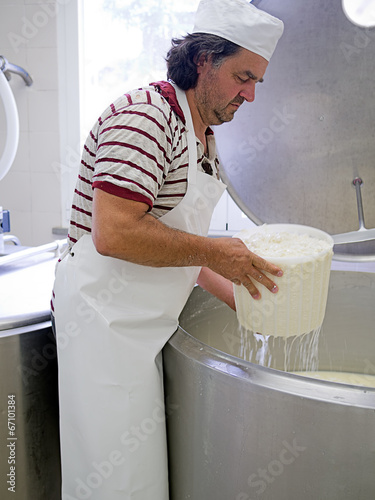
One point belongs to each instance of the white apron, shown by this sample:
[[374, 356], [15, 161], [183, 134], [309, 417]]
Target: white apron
[[112, 320]]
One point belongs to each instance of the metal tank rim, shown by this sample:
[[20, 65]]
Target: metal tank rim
[[305, 388]]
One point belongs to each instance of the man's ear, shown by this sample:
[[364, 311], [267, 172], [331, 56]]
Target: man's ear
[[202, 62]]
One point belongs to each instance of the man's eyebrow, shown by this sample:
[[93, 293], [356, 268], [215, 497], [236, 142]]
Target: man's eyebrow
[[253, 77]]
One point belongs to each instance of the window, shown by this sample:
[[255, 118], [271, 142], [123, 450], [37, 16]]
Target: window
[[123, 45]]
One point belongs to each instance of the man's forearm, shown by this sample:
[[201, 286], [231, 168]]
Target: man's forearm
[[124, 230]]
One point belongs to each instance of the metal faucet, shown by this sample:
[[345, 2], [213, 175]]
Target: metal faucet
[[6, 67]]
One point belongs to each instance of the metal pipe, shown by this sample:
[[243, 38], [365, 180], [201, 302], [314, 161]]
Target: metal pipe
[[362, 234], [12, 239], [357, 182], [31, 252], [6, 67]]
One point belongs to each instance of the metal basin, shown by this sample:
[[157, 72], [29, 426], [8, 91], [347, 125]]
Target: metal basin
[[29, 415], [241, 431]]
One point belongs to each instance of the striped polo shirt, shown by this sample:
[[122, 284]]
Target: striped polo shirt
[[137, 150]]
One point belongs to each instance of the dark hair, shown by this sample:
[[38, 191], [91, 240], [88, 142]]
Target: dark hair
[[185, 53]]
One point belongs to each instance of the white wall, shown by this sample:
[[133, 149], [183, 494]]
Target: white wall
[[32, 189]]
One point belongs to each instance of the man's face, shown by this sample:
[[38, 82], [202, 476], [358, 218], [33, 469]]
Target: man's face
[[220, 91]]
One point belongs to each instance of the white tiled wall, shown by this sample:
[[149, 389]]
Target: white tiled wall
[[31, 190]]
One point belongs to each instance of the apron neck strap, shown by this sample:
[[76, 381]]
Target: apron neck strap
[[191, 140]]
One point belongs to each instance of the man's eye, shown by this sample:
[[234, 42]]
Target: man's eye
[[242, 80]]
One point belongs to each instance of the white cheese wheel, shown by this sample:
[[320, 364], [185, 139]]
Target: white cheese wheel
[[304, 254]]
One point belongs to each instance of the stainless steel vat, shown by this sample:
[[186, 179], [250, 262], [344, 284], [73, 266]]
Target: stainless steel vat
[[241, 431], [29, 433], [291, 155]]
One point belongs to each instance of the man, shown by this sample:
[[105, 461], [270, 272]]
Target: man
[[147, 186]]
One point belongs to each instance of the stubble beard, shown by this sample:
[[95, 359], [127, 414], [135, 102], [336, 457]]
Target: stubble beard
[[212, 114], [224, 115]]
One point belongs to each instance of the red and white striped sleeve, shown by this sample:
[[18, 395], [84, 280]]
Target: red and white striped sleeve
[[134, 148]]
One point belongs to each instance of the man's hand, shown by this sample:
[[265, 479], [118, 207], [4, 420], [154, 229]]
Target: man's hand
[[232, 259]]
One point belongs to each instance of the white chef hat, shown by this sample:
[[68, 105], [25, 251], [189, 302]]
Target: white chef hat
[[239, 22]]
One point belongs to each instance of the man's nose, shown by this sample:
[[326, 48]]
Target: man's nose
[[248, 92]]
